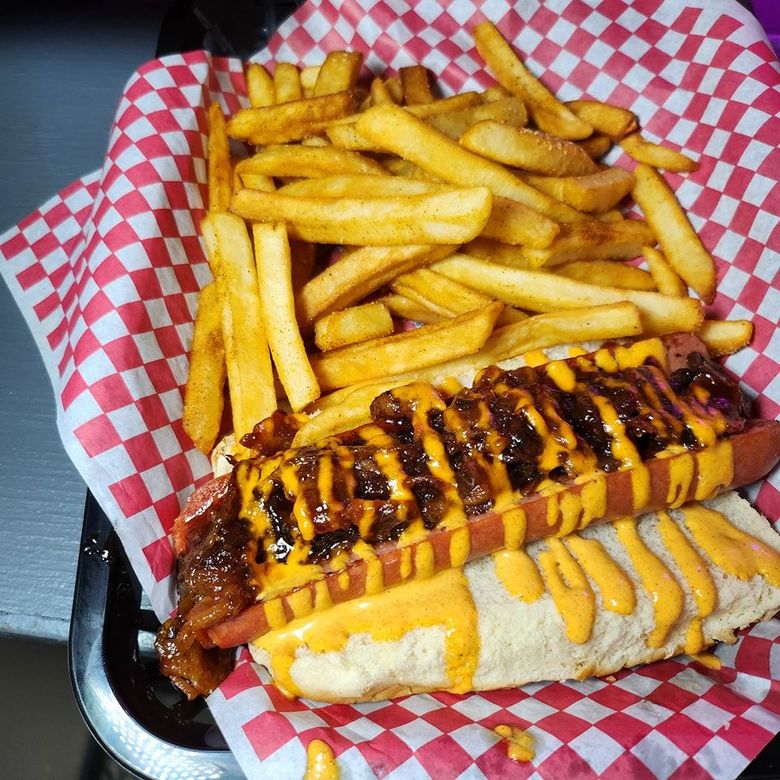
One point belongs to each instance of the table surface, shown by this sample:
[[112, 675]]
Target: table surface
[[61, 75]]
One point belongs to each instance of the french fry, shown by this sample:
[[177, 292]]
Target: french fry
[[593, 240], [220, 171], [395, 130], [339, 72], [510, 222], [496, 252], [608, 120], [346, 136], [415, 83], [679, 242], [607, 273], [308, 78], [249, 372], [666, 280], [352, 325], [403, 307], [510, 111], [596, 146], [395, 89], [259, 86], [380, 93], [449, 217], [540, 292], [598, 192], [530, 150], [445, 296], [253, 181], [406, 351], [277, 307], [289, 121], [358, 273], [658, 156], [613, 215], [204, 400], [308, 162], [725, 337], [287, 83], [496, 92], [549, 114], [446, 105]]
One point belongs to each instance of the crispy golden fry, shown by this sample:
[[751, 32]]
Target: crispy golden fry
[[597, 192], [308, 162], [540, 291], [448, 217], [315, 140], [395, 89], [253, 181], [496, 252], [401, 306], [346, 136], [416, 85], [596, 146], [510, 111], [352, 325], [309, 76], [406, 351], [303, 256], [204, 399], [530, 150], [657, 155], [725, 337], [359, 185], [380, 93], [339, 72], [607, 273], [445, 105], [496, 92], [608, 120], [277, 306], [287, 83], [220, 170], [358, 273], [509, 223], [250, 376], [613, 215], [400, 167], [395, 130], [593, 240], [679, 242], [549, 114], [290, 121], [259, 86], [445, 296], [666, 280]]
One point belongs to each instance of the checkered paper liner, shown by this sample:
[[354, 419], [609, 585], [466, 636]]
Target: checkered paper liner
[[107, 275]]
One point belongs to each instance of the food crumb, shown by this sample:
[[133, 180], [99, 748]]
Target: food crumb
[[519, 743]]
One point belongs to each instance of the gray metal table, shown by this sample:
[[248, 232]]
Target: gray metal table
[[62, 70]]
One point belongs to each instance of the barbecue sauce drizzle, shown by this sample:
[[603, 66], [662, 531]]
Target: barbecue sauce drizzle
[[428, 461]]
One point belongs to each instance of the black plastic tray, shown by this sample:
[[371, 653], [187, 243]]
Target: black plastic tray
[[133, 712]]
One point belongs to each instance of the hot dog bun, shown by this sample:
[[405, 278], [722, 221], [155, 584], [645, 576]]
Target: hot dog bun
[[520, 641]]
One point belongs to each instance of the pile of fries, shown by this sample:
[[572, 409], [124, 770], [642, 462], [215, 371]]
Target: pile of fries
[[486, 218]]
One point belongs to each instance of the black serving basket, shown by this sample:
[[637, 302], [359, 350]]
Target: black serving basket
[[133, 712]]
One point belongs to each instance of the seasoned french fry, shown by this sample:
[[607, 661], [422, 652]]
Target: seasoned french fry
[[679, 242], [259, 86], [509, 223], [380, 93], [447, 105], [253, 181], [339, 72], [593, 240], [352, 325], [220, 170], [725, 337], [666, 280], [658, 156], [395, 130], [287, 83], [250, 376], [496, 92], [277, 307], [496, 252], [204, 400], [510, 111], [607, 273], [539, 291], [597, 192], [401, 306], [395, 89], [530, 150], [308, 162], [406, 351], [415, 83], [596, 146], [309, 76], [549, 114], [358, 273], [608, 120], [449, 217], [346, 136], [290, 121]]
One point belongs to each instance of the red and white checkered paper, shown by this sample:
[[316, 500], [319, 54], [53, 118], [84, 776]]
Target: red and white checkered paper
[[107, 274]]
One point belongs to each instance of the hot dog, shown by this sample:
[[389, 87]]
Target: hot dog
[[437, 481]]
